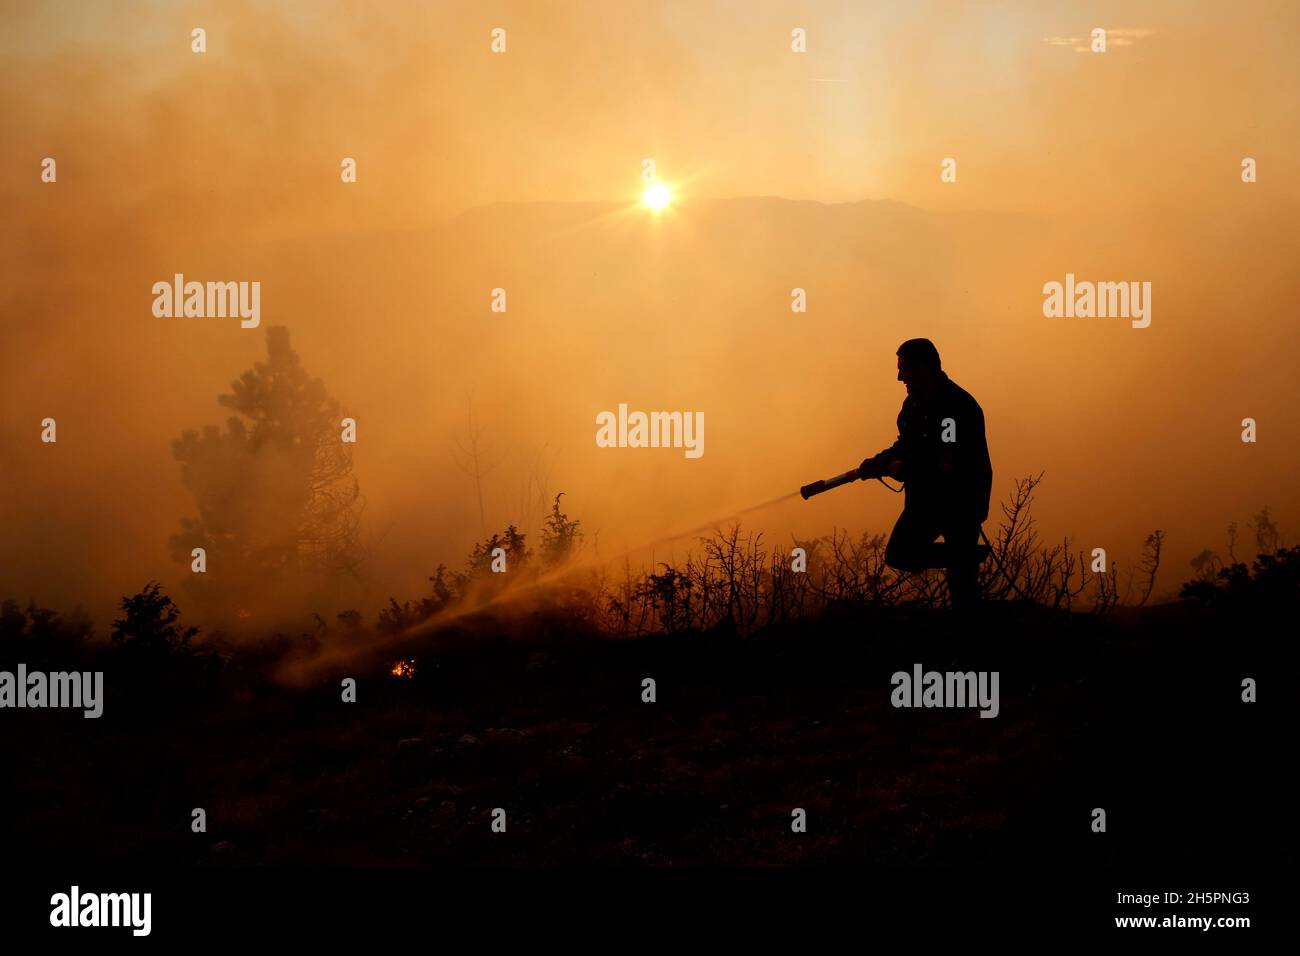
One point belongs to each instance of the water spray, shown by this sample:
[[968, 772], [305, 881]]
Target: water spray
[[452, 614], [449, 615]]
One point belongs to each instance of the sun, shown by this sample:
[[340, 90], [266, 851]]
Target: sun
[[657, 196]]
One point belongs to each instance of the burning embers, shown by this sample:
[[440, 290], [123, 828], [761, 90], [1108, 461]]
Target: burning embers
[[404, 668]]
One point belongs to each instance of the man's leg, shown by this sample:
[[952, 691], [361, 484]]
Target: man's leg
[[911, 544], [962, 561]]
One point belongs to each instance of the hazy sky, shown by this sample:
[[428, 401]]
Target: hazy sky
[[225, 165]]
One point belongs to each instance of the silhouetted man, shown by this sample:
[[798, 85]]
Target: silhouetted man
[[942, 458]]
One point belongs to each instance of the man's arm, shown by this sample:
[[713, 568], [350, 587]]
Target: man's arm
[[888, 462]]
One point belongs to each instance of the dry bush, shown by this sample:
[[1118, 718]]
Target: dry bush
[[736, 583]]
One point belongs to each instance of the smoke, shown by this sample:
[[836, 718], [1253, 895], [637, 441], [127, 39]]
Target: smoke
[[521, 172]]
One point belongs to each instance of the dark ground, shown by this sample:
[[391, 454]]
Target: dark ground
[[1142, 718]]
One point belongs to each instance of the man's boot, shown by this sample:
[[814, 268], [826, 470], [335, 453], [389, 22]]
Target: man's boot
[[963, 576]]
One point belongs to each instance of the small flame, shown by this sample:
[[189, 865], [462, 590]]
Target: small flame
[[244, 614], [403, 668]]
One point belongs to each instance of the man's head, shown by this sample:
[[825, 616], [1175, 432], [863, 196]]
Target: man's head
[[918, 366]]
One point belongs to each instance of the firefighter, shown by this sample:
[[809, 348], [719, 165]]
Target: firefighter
[[942, 458]]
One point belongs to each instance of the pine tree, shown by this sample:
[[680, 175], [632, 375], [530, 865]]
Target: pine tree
[[275, 491]]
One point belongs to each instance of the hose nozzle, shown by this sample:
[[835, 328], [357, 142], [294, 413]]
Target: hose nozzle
[[826, 484]]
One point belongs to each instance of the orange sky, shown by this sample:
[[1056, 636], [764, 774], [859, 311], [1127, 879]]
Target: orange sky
[[1119, 166]]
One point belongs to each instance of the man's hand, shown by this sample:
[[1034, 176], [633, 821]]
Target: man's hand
[[870, 468]]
